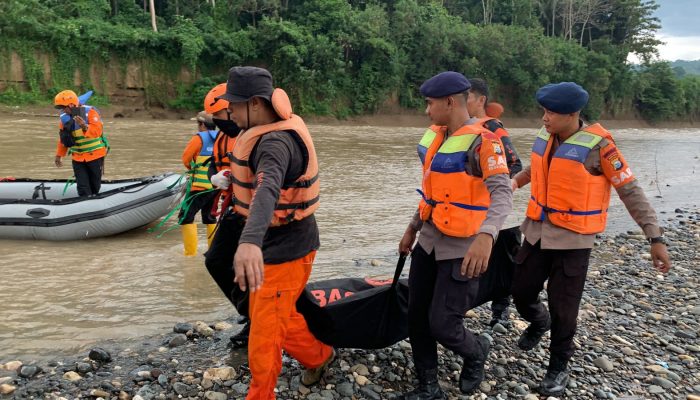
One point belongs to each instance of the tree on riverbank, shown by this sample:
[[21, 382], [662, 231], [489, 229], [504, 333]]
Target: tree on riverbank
[[345, 57]]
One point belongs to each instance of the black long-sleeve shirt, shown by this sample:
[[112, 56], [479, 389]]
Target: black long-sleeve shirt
[[277, 159]]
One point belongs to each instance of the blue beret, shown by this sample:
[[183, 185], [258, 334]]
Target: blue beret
[[562, 98], [444, 84]]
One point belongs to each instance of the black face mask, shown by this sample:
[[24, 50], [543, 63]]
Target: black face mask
[[228, 127]]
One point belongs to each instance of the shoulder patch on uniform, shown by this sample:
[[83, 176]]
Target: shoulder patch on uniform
[[497, 147], [613, 157], [609, 152]]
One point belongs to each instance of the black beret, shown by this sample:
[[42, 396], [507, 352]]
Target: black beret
[[563, 97], [444, 84]]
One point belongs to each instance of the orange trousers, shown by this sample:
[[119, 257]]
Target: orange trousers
[[276, 325]]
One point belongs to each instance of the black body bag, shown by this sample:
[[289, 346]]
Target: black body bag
[[357, 313], [367, 314]]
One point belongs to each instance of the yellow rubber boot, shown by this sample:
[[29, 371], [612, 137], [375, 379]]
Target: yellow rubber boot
[[189, 239], [211, 228]]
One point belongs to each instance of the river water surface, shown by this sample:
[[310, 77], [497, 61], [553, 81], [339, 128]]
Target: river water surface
[[58, 297]]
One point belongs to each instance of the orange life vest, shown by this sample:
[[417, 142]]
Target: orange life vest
[[223, 146], [297, 200], [456, 201], [564, 191]]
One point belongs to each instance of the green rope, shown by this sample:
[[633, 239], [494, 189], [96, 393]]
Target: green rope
[[172, 212], [177, 182], [69, 182], [106, 142], [184, 205]]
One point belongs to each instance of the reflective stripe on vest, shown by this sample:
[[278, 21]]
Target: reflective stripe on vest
[[564, 191], [455, 201], [297, 200], [200, 178], [424, 144]]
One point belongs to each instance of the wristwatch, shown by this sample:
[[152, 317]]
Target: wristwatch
[[658, 239]]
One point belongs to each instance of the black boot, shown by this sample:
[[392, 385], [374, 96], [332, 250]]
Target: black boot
[[533, 334], [557, 377], [240, 339], [473, 369], [501, 318], [428, 387], [500, 312]]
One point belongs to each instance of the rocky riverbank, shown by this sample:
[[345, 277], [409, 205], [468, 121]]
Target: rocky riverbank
[[637, 339]]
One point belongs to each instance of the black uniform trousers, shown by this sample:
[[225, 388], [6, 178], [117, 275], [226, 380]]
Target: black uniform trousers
[[219, 259], [439, 296], [88, 176], [202, 203], [566, 272]]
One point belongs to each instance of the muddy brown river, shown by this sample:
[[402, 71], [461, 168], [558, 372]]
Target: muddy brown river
[[58, 297]]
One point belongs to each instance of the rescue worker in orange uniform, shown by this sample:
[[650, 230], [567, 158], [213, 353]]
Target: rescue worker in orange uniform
[[466, 198], [477, 106], [81, 133], [572, 168], [219, 257], [196, 158], [276, 188]]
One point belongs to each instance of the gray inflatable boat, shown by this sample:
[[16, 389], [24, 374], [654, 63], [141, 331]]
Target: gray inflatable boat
[[39, 209]]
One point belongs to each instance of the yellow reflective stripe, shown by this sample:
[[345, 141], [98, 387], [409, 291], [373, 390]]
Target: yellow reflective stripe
[[85, 144], [86, 149], [455, 144], [199, 174], [543, 134], [584, 139], [428, 138]]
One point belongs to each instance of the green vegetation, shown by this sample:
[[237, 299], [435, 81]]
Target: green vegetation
[[683, 67], [348, 57]]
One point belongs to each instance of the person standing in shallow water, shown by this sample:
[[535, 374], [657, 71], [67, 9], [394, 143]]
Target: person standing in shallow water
[[476, 105], [572, 168], [196, 158], [466, 198], [276, 189]]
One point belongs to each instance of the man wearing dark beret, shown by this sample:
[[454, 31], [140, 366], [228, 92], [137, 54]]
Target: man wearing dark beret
[[572, 168], [466, 197]]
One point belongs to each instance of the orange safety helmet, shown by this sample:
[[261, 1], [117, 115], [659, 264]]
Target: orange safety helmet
[[494, 110], [66, 98], [211, 104]]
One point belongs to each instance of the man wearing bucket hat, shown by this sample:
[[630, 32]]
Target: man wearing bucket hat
[[572, 168], [275, 187], [466, 197]]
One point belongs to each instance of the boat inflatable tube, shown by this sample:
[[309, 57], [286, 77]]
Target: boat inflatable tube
[[39, 209]]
